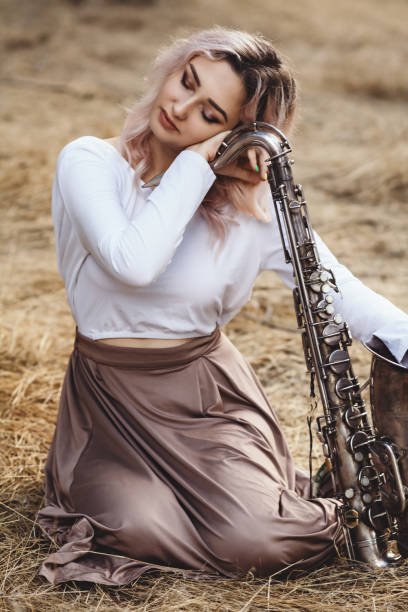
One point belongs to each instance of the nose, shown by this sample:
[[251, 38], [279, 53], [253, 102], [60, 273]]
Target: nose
[[181, 108]]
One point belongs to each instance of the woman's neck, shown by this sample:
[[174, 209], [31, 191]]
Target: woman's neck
[[161, 158]]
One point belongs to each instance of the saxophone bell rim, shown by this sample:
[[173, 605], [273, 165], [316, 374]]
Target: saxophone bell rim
[[379, 351]]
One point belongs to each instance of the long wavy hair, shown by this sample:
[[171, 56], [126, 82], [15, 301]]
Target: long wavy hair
[[270, 96]]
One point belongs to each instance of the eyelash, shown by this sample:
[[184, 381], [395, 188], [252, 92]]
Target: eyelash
[[185, 84]]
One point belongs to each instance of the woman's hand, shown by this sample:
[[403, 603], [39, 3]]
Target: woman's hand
[[249, 167], [208, 148]]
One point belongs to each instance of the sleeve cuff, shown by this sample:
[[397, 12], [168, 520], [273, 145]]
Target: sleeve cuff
[[195, 159], [187, 180], [395, 337]]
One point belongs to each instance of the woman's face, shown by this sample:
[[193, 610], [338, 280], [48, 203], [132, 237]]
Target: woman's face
[[197, 102]]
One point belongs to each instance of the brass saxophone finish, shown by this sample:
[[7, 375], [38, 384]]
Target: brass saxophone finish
[[365, 467]]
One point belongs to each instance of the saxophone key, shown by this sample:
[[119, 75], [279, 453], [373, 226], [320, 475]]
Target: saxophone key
[[331, 334], [358, 441], [320, 436], [339, 361], [323, 309], [365, 481], [310, 256], [377, 515], [299, 191], [346, 336], [313, 299], [351, 518], [353, 415], [294, 205], [315, 281], [368, 478], [344, 386]]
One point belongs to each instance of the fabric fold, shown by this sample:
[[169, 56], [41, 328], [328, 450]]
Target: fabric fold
[[172, 459]]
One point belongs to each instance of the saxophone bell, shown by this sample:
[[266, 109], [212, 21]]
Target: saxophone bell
[[389, 408]]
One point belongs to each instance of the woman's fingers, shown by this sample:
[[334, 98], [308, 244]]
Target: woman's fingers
[[263, 166], [243, 174], [257, 161], [249, 167], [252, 155]]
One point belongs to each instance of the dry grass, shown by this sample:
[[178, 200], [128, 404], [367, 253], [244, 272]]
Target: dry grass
[[70, 68]]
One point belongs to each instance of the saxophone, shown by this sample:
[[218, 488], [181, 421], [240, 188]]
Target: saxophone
[[368, 466]]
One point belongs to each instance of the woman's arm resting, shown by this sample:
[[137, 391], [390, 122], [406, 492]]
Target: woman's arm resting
[[366, 312], [136, 251]]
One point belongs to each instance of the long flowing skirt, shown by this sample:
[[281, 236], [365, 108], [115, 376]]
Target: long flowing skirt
[[173, 458]]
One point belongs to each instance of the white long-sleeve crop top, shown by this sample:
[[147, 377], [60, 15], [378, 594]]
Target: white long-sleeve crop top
[[142, 263]]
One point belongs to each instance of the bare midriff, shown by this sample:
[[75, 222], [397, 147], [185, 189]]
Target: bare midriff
[[145, 342]]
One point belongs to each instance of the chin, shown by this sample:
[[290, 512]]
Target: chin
[[166, 141], [170, 140]]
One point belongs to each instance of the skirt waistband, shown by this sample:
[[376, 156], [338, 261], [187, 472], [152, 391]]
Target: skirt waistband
[[146, 358]]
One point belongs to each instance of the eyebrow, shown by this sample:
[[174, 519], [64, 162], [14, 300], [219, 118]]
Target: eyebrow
[[210, 100]]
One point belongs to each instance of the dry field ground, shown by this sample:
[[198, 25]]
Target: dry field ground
[[69, 68]]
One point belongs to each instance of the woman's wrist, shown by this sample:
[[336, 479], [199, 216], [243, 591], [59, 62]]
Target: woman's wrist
[[208, 148], [201, 149]]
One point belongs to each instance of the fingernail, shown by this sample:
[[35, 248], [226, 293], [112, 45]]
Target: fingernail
[[257, 167]]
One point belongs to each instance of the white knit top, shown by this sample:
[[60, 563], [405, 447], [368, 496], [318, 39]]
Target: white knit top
[[143, 263]]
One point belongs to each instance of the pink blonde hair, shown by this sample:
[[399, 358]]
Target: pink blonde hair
[[271, 97]]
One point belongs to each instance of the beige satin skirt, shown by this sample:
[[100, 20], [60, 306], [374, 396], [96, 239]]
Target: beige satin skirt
[[173, 458]]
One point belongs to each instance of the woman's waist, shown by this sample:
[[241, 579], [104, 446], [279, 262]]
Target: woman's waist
[[145, 342], [145, 356]]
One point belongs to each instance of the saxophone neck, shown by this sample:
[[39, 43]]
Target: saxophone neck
[[256, 134]]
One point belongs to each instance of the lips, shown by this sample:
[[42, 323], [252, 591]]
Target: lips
[[165, 121]]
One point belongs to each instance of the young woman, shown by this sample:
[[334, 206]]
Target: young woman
[[166, 452]]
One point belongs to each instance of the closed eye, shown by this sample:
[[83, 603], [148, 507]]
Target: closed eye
[[210, 119], [187, 85], [184, 80]]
